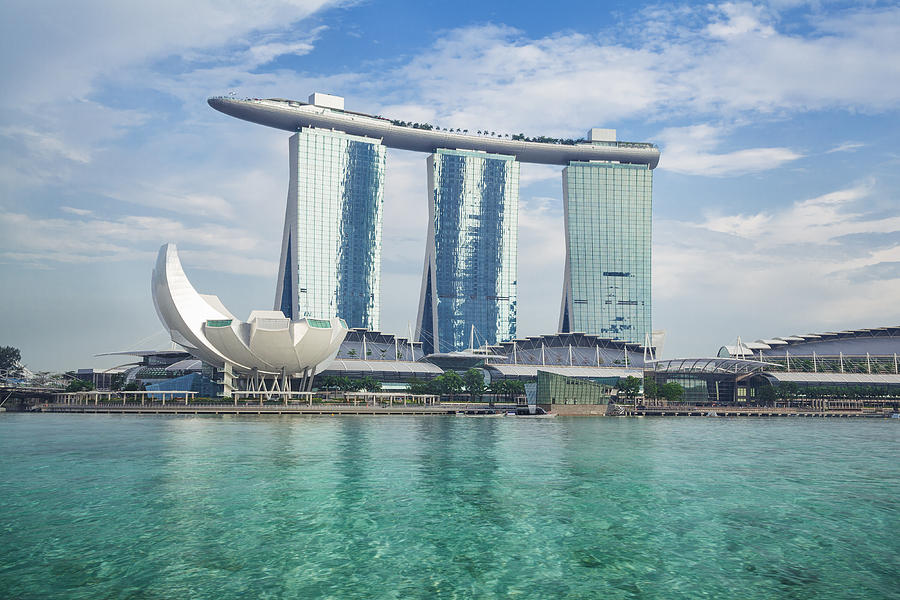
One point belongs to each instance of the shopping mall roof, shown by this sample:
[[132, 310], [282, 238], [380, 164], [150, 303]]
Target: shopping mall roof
[[708, 365], [370, 367], [835, 378], [880, 341], [581, 372]]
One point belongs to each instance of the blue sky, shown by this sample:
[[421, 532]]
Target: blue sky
[[776, 208]]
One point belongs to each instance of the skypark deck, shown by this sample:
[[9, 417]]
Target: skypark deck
[[291, 115]]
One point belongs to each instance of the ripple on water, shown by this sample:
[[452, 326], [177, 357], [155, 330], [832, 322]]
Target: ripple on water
[[124, 506]]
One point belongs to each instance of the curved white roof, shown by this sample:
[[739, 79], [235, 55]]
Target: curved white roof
[[835, 378], [877, 341], [291, 115], [267, 342]]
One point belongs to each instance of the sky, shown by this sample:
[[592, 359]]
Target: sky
[[776, 208]]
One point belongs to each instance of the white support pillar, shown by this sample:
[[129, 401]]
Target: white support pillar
[[597, 347], [842, 361], [815, 369], [868, 364], [227, 380]]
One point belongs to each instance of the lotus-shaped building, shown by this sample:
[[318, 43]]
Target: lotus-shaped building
[[268, 343]]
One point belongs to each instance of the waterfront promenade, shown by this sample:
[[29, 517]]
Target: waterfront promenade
[[447, 408], [750, 411], [278, 409]]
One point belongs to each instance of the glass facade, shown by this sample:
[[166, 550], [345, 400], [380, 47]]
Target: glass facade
[[606, 286], [331, 251], [469, 277], [559, 389]]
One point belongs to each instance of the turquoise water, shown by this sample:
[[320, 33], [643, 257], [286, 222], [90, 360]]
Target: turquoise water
[[95, 506]]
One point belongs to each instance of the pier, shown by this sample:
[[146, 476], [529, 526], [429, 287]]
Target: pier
[[353, 404], [749, 411]]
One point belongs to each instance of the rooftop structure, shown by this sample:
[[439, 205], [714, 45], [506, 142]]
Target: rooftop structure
[[574, 350], [873, 350], [367, 344], [292, 115], [853, 342]]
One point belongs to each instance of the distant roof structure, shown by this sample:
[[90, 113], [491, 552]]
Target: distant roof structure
[[292, 115], [877, 341], [388, 370], [835, 378], [143, 353], [577, 372], [708, 365]]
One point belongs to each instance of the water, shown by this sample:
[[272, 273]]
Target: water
[[95, 506]]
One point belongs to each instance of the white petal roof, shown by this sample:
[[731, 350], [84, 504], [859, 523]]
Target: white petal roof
[[268, 342]]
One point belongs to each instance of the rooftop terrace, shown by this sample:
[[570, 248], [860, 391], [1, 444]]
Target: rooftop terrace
[[292, 115]]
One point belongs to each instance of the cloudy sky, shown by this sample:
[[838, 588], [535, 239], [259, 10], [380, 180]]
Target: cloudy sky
[[776, 204]]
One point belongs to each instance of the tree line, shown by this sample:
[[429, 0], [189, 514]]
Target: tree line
[[670, 392], [789, 390], [470, 383]]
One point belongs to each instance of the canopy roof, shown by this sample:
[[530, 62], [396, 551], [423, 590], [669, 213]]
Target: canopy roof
[[584, 372], [835, 378], [708, 365], [402, 367]]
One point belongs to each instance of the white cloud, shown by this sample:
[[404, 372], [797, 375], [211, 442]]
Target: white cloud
[[778, 272], [45, 242], [846, 147], [81, 212], [822, 220], [542, 255], [58, 50], [685, 151], [739, 19], [733, 61], [45, 144], [533, 173]]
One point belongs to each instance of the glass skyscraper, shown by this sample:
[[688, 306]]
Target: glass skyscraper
[[606, 286], [469, 277], [331, 251]]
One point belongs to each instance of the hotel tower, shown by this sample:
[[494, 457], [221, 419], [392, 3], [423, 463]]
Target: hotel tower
[[468, 293], [331, 249], [607, 214], [331, 252]]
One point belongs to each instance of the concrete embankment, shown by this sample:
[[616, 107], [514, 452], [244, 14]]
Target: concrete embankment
[[273, 409], [689, 411], [453, 409]]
